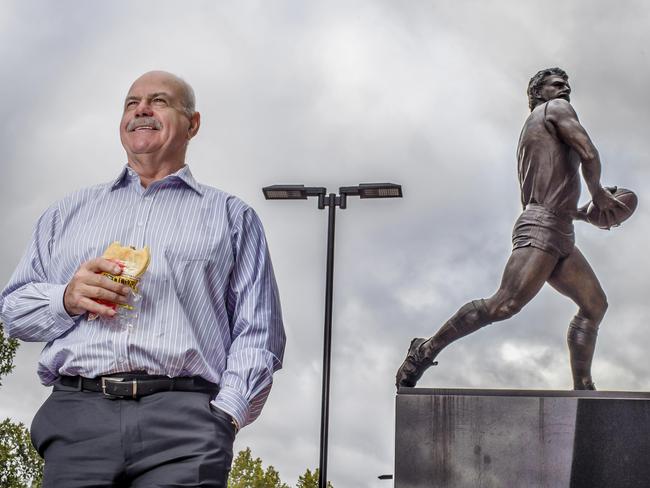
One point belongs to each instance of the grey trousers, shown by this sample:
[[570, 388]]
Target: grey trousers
[[169, 439]]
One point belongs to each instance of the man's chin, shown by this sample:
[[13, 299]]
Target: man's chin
[[139, 150], [139, 154]]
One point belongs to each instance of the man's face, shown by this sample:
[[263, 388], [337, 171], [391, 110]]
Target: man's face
[[555, 87], [154, 121]]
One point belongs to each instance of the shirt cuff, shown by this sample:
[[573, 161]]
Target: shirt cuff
[[234, 404], [62, 321]]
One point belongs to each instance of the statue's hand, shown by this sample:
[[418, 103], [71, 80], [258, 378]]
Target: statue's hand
[[605, 201], [581, 213]]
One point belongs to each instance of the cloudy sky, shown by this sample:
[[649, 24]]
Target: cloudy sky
[[428, 94]]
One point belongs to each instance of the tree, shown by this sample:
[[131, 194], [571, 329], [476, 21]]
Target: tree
[[7, 352], [20, 464], [310, 480], [247, 472]]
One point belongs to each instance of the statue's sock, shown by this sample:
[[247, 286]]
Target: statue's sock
[[469, 318], [581, 339]]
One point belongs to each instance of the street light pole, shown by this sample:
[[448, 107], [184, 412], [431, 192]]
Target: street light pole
[[300, 192], [327, 342]]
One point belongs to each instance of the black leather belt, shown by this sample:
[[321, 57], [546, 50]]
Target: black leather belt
[[128, 385]]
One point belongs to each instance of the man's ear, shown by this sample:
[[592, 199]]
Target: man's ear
[[195, 123], [536, 95]]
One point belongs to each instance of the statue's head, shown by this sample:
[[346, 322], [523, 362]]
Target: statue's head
[[536, 82]]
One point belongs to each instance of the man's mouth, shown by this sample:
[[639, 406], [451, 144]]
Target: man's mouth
[[146, 123]]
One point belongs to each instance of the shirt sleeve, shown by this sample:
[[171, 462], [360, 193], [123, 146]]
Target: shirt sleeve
[[31, 307], [257, 331]]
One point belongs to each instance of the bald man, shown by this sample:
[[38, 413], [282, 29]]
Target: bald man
[[155, 400]]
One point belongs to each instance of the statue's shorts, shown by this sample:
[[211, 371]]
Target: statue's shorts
[[544, 229]]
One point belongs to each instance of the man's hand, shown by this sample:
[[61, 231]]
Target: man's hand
[[581, 213], [88, 285], [605, 201]]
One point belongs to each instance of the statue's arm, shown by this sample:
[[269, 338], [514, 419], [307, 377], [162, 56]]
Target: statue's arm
[[560, 113]]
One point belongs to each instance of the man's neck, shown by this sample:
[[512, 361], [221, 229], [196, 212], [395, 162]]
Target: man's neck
[[150, 171]]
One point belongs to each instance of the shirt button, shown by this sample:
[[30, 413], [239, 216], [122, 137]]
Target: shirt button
[[120, 359]]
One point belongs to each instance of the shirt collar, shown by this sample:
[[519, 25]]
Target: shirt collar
[[184, 174]]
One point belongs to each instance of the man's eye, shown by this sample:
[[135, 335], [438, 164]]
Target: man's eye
[[159, 101]]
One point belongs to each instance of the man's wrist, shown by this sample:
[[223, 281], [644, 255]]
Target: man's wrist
[[597, 191], [234, 423], [231, 418], [58, 309], [73, 316], [233, 403]]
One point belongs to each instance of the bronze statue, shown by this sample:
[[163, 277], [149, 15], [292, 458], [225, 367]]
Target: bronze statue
[[553, 145]]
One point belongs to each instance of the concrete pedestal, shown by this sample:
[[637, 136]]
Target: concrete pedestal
[[521, 439]]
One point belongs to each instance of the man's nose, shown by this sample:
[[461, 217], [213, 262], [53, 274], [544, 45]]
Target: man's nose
[[143, 109]]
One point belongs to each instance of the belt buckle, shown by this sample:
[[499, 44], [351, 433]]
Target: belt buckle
[[110, 379]]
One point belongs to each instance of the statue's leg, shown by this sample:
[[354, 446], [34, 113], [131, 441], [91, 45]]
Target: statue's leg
[[469, 318], [525, 273], [574, 278], [581, 339]]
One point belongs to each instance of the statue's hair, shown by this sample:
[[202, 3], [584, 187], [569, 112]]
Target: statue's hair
[[538, 80]]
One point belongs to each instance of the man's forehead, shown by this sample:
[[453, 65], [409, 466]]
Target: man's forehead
[[153, 83], [553, 78], [148, 94]]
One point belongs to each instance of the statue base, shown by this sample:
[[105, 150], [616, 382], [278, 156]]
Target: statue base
[[516, 438]]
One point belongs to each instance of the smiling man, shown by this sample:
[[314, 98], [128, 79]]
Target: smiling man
[[553, 147], [155, 401]]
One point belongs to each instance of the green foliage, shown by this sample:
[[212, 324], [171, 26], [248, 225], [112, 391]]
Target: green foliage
[[7, 352], [310, 480], [20, 464], [247, 472]]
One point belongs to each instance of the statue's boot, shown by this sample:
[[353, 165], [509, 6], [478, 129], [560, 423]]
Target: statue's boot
[[416, 363], [581, 339], [590, 385], [422, 352]]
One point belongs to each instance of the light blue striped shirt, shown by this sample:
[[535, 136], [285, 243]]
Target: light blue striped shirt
[[210, 305]]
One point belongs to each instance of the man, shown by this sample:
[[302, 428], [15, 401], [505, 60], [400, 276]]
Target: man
[[552, 147], [158, 401]]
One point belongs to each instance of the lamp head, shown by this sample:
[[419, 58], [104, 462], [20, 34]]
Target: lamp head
[[291, 192]]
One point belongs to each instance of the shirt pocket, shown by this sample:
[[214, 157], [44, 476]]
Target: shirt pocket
[[188, 264]]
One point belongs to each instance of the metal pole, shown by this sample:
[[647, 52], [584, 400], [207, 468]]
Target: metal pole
[[327, 344]]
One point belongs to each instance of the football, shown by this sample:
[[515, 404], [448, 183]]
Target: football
[[621, 214]]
